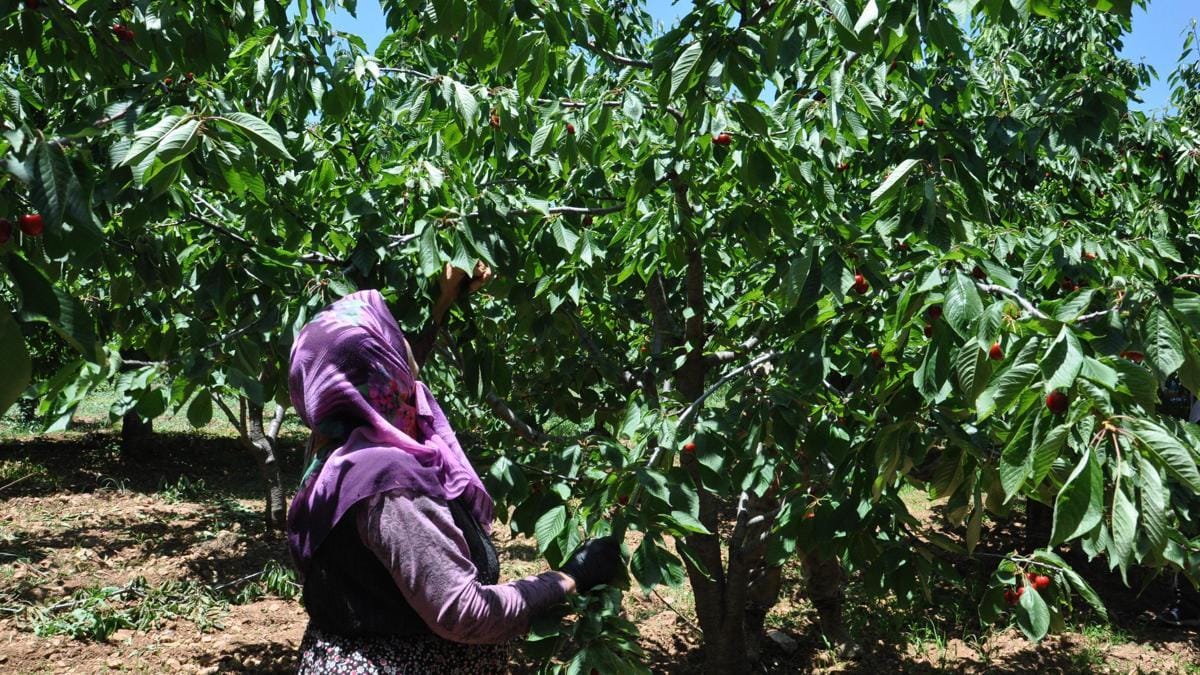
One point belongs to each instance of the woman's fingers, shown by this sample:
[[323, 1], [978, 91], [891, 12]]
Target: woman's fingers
[[481, 277]]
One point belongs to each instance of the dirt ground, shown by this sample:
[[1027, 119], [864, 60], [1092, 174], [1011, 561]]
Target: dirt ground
[[176, 529]]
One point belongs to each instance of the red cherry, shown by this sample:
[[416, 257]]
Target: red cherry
[[1057, 402], [928, 330], [935, 312], [1030, 576], [189, 76], [5, 231], [587, 220], [31, 224], [1010, 597], [877, 357], [494, 120], [902, 246], [810, 515], [623, 500], [1020, 592], [168, 80], [996, 353], [1136, 357], [722, 139], [920, 121], [570, 129], [1088, 255], [1041, 582], [843, 166], [689, 447], [860, 284], [978, 273], [1066, 284]]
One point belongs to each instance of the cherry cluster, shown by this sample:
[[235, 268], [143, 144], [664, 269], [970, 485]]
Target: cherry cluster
[[30, 224]]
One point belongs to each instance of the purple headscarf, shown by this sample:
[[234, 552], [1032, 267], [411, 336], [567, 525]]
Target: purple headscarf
[[350, 383]]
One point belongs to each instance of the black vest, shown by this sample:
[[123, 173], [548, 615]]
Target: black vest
[[348, 591]]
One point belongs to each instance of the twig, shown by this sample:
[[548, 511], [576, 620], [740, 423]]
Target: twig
[[5, 487], [1025, 304], [677, 612]]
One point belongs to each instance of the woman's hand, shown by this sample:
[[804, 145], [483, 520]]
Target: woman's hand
[[453, 280], [596, 562]]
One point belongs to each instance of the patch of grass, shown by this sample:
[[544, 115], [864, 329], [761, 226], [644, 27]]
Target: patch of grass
[[96, 613], [185, 489], [274, 580], [1103, 633], [26, 474]]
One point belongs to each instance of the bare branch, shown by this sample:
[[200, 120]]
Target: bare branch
[[276, 423], [616, 58], [1025, 304], [718, 358], [233, 419]]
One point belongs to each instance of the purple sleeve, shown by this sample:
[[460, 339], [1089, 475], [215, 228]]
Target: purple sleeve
[[415, 537]]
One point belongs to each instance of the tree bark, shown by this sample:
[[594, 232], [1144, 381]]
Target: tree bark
[[134, 430], [261, 443], [826, 586], [259, 440]]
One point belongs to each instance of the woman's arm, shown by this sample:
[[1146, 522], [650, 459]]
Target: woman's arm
[[452, 283], [416, 538]]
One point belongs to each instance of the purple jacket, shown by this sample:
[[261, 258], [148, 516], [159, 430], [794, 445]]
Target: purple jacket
[[416, 539]]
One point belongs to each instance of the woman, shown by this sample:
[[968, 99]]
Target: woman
[[390, 528]]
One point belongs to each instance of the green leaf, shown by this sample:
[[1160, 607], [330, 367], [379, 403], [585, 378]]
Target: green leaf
[[427, 249], [1155, 502], [566, 239], [1077, 582], [1080, 503], [1168, 450], [1063, 361], [550, 527], [869, 14], [41, 300], [179, 142], [539, 138], [1005, 389], [51, 182], [147, 139], [652, 565], [200, 411], [258, 131], [1164, 345], [894, 179], [963, 306], [464, 100], [688, 523], [1033, 616], [1123, 529], [1016, 460], [683, 66], [16, 368]]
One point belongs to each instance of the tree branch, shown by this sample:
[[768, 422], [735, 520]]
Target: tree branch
[[1025, 304], [233, 419], [276, 423]]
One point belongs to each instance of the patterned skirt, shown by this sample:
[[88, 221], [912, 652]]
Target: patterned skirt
[[324, 653]]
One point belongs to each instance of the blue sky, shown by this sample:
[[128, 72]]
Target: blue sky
[[1156, 39]]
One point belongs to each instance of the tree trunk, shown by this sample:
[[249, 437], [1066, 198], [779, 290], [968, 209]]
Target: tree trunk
[[134, 430], [261, 443], [825, 583]]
